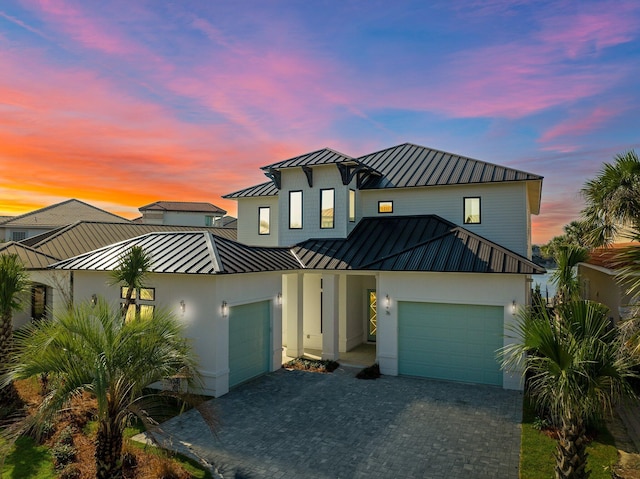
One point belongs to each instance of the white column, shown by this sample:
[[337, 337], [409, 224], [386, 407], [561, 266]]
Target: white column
[[330, 315], [276, 332], [292, 312]]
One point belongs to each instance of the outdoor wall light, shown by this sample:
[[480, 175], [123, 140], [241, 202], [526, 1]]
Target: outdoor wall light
[[279, 299], [183, 306], [514, 307], [387, 303], [225, 309], [94, 299]]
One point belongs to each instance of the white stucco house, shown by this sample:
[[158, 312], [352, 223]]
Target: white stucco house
[[423, 253]]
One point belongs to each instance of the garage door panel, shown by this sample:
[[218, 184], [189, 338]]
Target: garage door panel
[[450, 341], [249, 340]]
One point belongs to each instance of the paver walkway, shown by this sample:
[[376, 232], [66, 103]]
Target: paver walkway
[[293, 424]]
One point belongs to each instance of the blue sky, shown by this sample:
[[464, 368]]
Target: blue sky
[[123, 103]]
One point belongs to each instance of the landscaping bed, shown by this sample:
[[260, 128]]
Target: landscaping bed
[[67, 448], [313, 365]]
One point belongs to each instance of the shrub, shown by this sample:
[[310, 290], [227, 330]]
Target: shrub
[[63, 454], [371, 372]]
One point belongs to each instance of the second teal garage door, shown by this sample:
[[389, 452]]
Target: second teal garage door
[[450, 341], [249, 340]]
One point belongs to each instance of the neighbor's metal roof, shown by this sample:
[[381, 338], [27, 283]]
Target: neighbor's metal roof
[[410, 165], [412, 243], [31, 258], [263, 189], [63, 213], [326, 156], [84, 236], [183, 206], [195, 252]]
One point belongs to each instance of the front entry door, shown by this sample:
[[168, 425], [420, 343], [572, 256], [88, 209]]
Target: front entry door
[[372, 315]]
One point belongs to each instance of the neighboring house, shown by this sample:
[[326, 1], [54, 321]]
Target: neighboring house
[[423, 253], [598, 280], [18, 228], [183, 213]]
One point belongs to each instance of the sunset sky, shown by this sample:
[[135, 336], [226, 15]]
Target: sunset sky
[[126, 102]]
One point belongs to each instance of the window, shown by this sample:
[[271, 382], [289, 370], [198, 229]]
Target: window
[[385, 206], [18, 235], [143, 309], [352, 205], [264, 217], [326, 208], [209, 220], [295, 210], [471, 211]]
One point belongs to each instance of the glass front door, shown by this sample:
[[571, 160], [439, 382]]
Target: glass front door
[[372, 323]]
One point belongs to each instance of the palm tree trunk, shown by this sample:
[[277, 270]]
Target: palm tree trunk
[[571, 452], [108, 451], [127, 302], [9, 398]]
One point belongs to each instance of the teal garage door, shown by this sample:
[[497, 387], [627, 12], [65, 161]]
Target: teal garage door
[[450, 341], [249, 339]]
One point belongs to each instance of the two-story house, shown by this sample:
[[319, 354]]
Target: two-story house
[[424, 252]]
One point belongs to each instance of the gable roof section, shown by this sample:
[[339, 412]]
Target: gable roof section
[[31, 258], [83, 236], [62, 214], [263, 189], [325, 156], [183, 206], [412, 243], [194, 252]]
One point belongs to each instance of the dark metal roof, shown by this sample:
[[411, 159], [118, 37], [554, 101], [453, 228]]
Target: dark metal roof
[[84, 236], [409, 165], [326, 156], [31, 258], [183, 206], [412, 243], [263, 189], [194, 252]]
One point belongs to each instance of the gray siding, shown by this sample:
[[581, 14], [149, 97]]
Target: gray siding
[[248, 221]]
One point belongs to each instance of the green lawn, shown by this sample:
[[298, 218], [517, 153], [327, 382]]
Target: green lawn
[[537, 453], [27, 460]]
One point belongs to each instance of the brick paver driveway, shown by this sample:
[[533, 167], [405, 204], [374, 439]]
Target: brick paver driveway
[[298, 425]]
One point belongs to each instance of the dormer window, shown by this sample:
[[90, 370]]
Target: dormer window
[[472, 210], [327, 200], [264, 220]]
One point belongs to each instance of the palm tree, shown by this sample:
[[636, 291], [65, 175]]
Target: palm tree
[[90, 349], [565, 277], [613, 199], [131, 271], [14, 280], [577, 368]]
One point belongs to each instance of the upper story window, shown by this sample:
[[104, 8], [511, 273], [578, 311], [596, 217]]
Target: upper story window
[[209, 220], [264, 220], [18, 235], [327, 200], [472, 210], [385, 206], [295, 210], [352, 205]]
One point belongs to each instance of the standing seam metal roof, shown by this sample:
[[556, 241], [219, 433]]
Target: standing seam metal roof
[[325, 156], [412, 243], [263, 189]]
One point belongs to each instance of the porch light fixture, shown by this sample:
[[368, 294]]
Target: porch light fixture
[[94, 299], [225, 309], [279, 299], [183, 306], [387, 303], [514, 307]]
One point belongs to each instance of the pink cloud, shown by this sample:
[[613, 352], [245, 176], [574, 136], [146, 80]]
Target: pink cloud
[[579, 126]]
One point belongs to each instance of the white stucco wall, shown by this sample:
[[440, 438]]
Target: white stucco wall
[[248, 221], [206, 327], [58, 288], [504, 214], [457, 288], [312, 311]]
